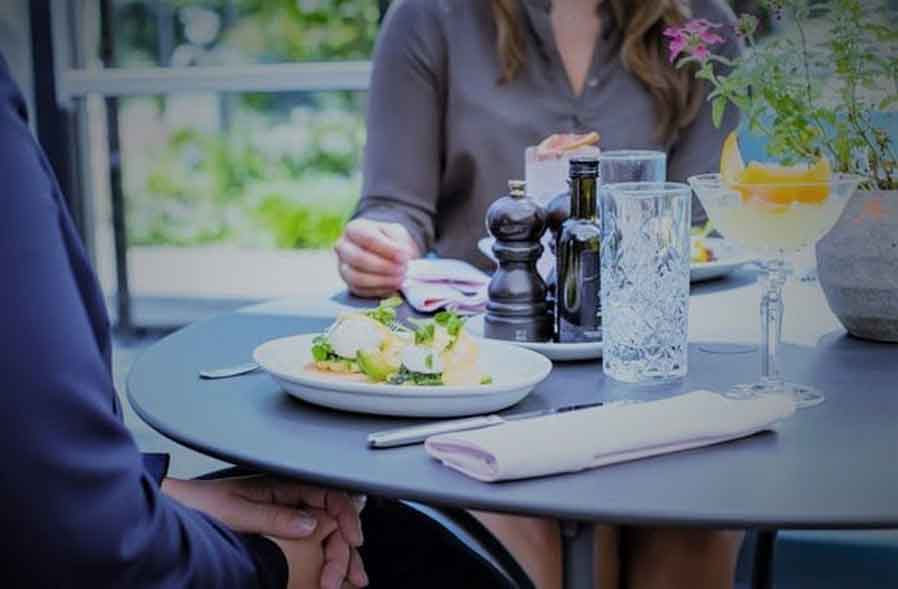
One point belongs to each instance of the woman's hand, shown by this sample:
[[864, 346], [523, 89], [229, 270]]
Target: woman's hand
[[322, 562], [374, 256]]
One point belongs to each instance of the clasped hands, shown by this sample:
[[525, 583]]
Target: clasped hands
[[317, 529]]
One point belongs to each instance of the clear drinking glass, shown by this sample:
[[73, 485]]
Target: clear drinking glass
[[632, 165], [774, 220], [645, 281]]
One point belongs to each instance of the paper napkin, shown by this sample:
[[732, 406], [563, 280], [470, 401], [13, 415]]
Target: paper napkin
[[590, 438]]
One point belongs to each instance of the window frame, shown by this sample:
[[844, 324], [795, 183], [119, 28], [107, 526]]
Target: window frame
[[75, 83]]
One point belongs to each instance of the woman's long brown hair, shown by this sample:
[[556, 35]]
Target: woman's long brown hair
[[678, 96]]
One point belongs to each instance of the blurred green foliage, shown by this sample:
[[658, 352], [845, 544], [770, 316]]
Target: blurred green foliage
[[282, 170], [265, 31], [289, 184]]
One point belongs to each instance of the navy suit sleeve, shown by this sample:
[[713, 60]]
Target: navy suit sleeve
[[77, 506], [156, 465]]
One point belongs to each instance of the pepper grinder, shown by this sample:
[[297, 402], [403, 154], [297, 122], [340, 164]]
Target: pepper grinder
[[558, 210], [517, 309]]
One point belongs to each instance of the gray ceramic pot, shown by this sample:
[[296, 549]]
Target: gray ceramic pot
[[857, 265]]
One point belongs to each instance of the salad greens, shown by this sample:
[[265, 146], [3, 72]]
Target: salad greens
[[452, 322], [385, 313], [406, 376], [424, 335], [322, 350], [384, 364]]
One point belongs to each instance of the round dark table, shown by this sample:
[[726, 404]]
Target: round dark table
[[831, 466]]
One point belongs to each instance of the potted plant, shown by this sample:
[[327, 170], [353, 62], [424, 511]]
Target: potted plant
[[823, 86]]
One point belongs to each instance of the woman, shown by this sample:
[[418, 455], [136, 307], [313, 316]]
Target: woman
[[459, 89]]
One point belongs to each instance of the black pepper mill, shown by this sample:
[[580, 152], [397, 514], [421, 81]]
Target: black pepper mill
[[557, 212], [517, 309]]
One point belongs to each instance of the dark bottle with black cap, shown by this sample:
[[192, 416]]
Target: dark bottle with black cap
[[578, 316]]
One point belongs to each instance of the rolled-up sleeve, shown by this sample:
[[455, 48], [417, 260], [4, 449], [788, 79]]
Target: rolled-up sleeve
[[404, 148]]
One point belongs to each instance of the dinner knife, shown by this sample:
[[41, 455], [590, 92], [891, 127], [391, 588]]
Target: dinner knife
[[416, 434]]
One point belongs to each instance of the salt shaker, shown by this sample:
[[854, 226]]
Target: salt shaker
[[517, 309]]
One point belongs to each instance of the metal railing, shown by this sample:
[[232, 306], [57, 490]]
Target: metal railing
[[285, 77]]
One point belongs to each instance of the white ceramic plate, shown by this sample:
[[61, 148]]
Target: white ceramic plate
[[730, 257], [515, 372], [551, 350]]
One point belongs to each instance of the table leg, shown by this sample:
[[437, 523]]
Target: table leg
[[762, 571], [577, 549]]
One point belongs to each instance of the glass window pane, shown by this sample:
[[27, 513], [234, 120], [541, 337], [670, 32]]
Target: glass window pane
[[247, 171], [224, 32]]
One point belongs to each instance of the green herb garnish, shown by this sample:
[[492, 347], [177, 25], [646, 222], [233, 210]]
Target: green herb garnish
[[451, 322], [424, 335], [428, 361], [385, 313], [486, 380], [406, 376], [322, 350]]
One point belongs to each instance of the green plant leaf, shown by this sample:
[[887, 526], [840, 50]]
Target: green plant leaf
[[718, 105]]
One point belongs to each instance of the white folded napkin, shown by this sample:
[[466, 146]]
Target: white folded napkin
[[434, 283], [577, 440]]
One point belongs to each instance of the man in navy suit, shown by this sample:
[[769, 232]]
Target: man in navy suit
[[79, 505]]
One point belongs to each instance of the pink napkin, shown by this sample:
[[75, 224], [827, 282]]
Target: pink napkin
[[589, 438], [434, 283]]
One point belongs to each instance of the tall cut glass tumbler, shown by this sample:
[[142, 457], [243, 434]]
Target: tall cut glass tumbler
[[645, 281]]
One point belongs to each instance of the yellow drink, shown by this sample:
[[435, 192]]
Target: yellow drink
[[768, 228]]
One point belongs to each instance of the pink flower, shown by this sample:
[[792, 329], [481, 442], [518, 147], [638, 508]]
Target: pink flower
[[699, 25], [676, 47], [701, 53], [693, 39], [673, 32], [709, 38]]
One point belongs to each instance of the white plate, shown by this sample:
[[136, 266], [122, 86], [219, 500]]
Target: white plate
[[515, 372], [551, 350], [730, 257]]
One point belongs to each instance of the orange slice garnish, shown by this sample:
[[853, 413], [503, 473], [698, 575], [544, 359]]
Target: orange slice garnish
[[775, 185]]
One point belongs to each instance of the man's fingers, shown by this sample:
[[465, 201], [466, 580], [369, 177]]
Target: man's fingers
[[366, 260], [357, 575], [341, 508], [293, 493], [359, 502], [367, 235], [337, 555], [277, 520]]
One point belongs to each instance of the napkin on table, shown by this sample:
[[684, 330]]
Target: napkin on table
[[577, 440], [436, 283]]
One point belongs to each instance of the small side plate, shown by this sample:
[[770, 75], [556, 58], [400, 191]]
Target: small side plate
[[730, 258], [551, 350]]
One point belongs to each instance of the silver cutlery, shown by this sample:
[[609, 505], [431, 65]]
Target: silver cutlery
[[418, 433], [229, 371]]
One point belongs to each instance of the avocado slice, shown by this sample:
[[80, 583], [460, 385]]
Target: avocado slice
[[375, 365]]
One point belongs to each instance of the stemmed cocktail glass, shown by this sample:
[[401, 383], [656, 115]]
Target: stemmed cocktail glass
[[774, 220]]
